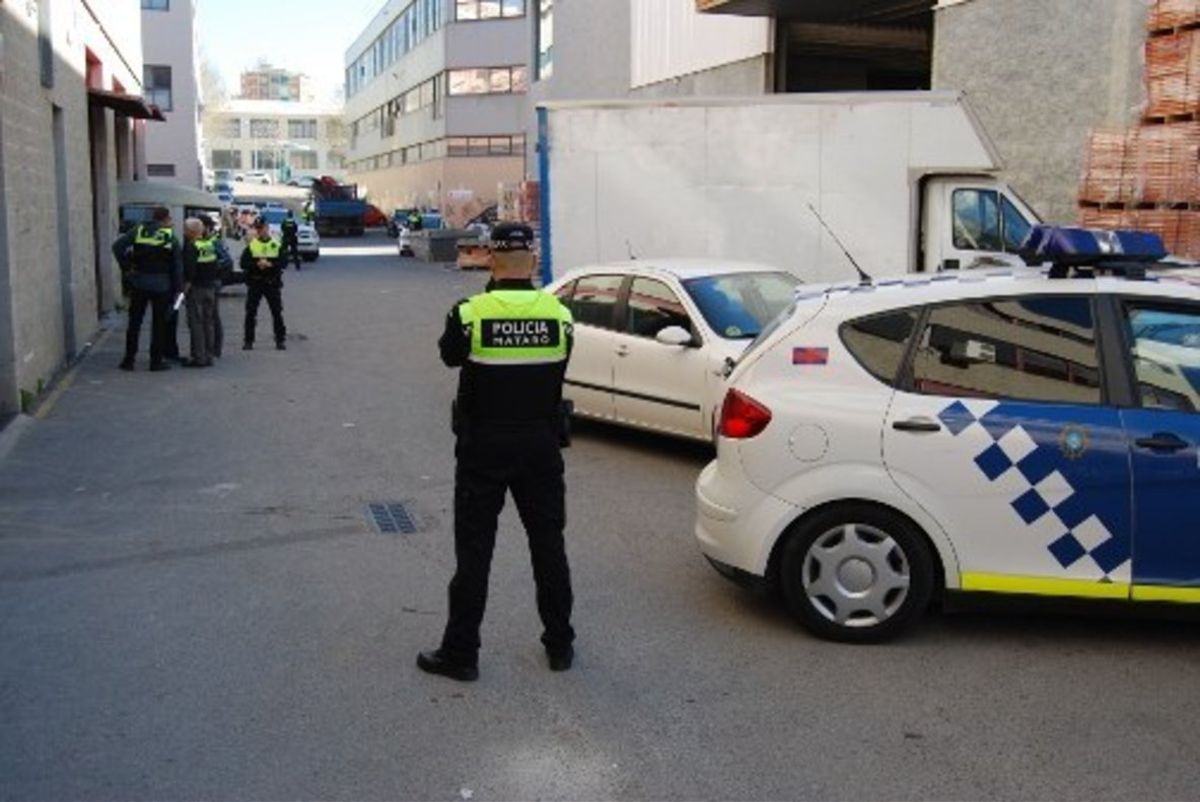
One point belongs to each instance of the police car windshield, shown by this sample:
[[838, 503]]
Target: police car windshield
[[737, 305]]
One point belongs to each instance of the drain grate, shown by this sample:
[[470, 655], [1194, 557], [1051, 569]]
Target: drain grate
[[391, 518]]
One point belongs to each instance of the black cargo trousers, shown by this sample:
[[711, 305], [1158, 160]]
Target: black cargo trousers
[[493, 459]]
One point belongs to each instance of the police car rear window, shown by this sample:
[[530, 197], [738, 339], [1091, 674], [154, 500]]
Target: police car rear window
[[1025, 348], [879, 342]]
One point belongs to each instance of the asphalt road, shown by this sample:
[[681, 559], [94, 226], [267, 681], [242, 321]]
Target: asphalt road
[[193, 604]]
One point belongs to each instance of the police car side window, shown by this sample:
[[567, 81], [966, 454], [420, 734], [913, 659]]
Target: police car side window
[[1025, 348], [595, 300], [1165, 340], [565, 293], [879, 342]]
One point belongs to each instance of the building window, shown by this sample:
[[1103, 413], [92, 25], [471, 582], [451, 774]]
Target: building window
[[160, 170], [263, 160], [264, 129], [488, 80], [303, 159], [226, 160], [156, 78], [231, 128], [545, 40], [156, 5], [335, 160], [488, 9], [302, 129], [485, 146]]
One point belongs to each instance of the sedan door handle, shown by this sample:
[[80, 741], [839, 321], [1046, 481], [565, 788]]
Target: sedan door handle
[[917, 425], [1162, 441], [622, 350]]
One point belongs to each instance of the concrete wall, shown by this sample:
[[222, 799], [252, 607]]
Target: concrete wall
[[594, 53], [1055, 73], [52, 285], [168, 37]]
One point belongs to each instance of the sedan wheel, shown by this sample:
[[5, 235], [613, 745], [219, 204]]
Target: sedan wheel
[[857, 573]]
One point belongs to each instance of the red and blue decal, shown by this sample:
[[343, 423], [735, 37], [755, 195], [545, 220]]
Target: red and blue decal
[[810, 356]]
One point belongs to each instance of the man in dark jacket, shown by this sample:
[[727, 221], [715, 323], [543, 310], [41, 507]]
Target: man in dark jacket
[[290, 231], [225, 266], [152, 272], [202, 276], [263, 263]]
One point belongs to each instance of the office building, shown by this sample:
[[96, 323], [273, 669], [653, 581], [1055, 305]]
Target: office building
[[279, 137], [435, 100]]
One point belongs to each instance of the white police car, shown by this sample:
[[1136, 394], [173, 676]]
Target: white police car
[[1015, 432]]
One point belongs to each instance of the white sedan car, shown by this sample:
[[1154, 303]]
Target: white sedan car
[[652, 337]]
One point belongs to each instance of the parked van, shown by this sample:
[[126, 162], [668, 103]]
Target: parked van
[[138, 199]]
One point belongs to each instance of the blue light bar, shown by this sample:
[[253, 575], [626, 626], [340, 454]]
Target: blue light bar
[[1062, 245]]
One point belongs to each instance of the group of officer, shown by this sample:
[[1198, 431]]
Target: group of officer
[[162, 274]]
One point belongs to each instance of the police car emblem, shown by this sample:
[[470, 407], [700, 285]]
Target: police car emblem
[[1074, 441]]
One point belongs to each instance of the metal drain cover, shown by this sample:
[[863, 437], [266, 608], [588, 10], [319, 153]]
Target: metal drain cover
[[391, 518]]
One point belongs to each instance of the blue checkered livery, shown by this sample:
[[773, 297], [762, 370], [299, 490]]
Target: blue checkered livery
[[1068, 468]]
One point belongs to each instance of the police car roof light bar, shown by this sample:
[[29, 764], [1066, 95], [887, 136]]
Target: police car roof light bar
[[1121, 252]]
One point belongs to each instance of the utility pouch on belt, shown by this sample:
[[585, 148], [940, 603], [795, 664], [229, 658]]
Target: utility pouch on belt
[[565, 410]]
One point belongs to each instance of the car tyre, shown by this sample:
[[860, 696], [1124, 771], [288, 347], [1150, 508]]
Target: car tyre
[[857, 573]]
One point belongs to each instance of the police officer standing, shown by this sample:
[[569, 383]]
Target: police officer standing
[[290, 230], [152, 268], [263, 263], [512, 343]]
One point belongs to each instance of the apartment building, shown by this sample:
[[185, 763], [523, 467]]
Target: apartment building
[[283, 138], [72, 126], [171, 77], [265, 82], [435, 100]]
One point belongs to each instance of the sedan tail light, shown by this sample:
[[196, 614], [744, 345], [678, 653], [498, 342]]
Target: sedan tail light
[[742, 417]]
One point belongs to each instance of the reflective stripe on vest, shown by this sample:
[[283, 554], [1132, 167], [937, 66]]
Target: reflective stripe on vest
[[516, 327], [206, 251], [264, 250], [153, 251]]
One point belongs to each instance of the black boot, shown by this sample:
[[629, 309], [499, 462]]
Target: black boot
[[436, 663]]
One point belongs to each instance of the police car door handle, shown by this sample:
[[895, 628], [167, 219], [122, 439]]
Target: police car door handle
[[917, 425], [622, 350], [1162, 441]]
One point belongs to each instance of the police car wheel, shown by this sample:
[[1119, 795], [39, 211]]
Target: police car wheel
[[856, 573]]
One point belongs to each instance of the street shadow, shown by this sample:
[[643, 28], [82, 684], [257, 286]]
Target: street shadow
[[648, 443]]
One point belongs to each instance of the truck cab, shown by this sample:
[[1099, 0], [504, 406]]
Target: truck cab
[[971, 221]]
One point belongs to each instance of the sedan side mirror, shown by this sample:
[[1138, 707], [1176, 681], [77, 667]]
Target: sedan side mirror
[[674, 335]]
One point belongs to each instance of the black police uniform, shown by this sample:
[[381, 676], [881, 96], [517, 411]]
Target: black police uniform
[[289, 230], [263, 284], [151, 263], [509, 425]]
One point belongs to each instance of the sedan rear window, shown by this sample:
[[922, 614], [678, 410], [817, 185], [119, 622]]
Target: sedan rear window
[[879, 342], [737, 306]]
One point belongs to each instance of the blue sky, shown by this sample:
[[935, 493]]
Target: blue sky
[[308, 36]]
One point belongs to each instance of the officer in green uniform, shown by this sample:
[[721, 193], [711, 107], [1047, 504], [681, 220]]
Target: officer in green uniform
[[263, 263], [152, 270], [512, 343]]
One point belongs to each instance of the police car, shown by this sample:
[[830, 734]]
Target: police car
[[1024, 431]]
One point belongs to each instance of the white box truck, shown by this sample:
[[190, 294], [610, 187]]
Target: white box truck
[[906, 180]]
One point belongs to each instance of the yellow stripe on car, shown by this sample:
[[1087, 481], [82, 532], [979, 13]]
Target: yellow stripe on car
[[1160, 593], [1041, 586]]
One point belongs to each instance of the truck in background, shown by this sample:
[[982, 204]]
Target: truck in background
[[337, 209], [906, 180]]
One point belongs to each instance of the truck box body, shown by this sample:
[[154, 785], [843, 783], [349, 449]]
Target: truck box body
[[734, 178]]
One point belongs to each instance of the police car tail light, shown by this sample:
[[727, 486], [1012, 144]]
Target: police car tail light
[[742, 417]]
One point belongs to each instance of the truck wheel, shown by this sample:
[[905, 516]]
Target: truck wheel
[[857, 573]]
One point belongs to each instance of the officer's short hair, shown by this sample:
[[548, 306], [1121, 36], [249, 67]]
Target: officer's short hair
[[160, 214], [193, 226]]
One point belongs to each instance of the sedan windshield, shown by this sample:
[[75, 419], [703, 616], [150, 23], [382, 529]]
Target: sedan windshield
[[738, 305]]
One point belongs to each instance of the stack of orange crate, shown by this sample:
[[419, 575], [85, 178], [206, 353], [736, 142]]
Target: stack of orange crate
[[1148, 177]]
